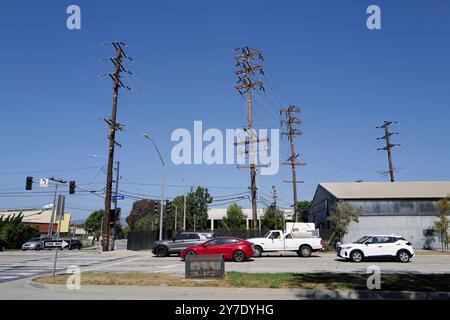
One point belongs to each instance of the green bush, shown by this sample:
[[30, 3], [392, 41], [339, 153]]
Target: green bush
[[15, 232]]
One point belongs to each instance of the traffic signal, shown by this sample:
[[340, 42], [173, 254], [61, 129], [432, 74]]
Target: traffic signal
[[29, 183], [168, 206], [156, 207], [114, 216], [71, 187]]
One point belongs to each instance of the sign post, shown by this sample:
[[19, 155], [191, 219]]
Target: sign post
[[60, 213]]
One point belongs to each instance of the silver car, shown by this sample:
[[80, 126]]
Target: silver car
[[180, 242], [33, 244]]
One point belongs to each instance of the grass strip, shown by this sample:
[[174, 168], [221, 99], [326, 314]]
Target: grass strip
[[332, 281]]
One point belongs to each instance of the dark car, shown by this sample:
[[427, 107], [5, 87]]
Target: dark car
[[74, 244], [163, 248], [3, 245]]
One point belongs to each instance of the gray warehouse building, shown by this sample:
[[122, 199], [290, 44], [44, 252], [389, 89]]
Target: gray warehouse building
[[402, 208]]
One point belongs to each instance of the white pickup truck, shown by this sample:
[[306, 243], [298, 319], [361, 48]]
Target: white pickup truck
[[302, 238]]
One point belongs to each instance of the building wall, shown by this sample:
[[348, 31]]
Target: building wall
[[415, 229], [322, 206], [411, 218]]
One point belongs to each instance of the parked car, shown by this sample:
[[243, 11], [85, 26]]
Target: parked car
[[377, 247], [232, 248], [3, 245], [180, 242], [33, 244], [73, 244], [298, 237]]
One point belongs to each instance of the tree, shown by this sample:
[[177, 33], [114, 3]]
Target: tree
[[441, 225], [141, 209], [177, 205], [272, 219], [303, 209], [340, 219], [147, 223], [93, 223], [197, 208], [118, 231], [234, 220], [15, 232]]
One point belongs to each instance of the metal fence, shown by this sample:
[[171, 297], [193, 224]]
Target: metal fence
[[142, 240]]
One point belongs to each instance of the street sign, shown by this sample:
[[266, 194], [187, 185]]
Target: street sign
[[43, 183], [53, 244], [118, 197]]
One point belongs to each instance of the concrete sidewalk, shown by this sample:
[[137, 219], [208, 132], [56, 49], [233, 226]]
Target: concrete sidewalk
[[28, 290]]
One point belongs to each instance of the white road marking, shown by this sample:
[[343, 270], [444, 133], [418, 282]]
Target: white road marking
[[113, 264]]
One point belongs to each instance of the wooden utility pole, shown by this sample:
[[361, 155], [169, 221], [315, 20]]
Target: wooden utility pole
[[291, 122], [114, 126], [389, 145], [247, 68]]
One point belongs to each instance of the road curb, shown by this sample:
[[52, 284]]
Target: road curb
[[283, 294]]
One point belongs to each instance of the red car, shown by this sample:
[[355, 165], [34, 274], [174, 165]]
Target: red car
[[232, 248]]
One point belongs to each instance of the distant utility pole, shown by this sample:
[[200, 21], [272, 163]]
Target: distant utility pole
[[291, 122], [274, 197], [389, 145], [245, 72], [113, 125]]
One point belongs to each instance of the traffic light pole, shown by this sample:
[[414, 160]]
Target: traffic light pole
[[50, 226], [162, 202]]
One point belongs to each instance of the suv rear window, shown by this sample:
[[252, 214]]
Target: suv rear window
[[230, 241], [209, 235]]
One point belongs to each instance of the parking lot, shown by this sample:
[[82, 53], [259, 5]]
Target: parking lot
[[16, 265]]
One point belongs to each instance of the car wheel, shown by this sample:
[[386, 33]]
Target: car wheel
[[79, 247], [305, 251], [356, 256], [161, 252], [238, 256], [38, 248], [190, 254], [403, 256], [258, 252]]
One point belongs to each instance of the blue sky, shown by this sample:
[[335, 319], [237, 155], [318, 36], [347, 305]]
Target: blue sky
[[319, 56]]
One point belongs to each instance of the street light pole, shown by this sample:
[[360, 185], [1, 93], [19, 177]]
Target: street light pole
[[146, 136]]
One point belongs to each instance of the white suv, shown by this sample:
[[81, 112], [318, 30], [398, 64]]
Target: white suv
[[377, 246]]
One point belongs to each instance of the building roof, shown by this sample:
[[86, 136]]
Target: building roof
[[30, 216], [38, 217], [388, 190], [219, 213]]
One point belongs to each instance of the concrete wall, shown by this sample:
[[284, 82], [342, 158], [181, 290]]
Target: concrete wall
[[414, 228]]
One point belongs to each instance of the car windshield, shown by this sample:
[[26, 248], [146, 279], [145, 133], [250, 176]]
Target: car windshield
[[362, 240], [266, 234]]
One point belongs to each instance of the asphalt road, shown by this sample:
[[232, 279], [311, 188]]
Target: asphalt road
[[16, 265], [17, 268]]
